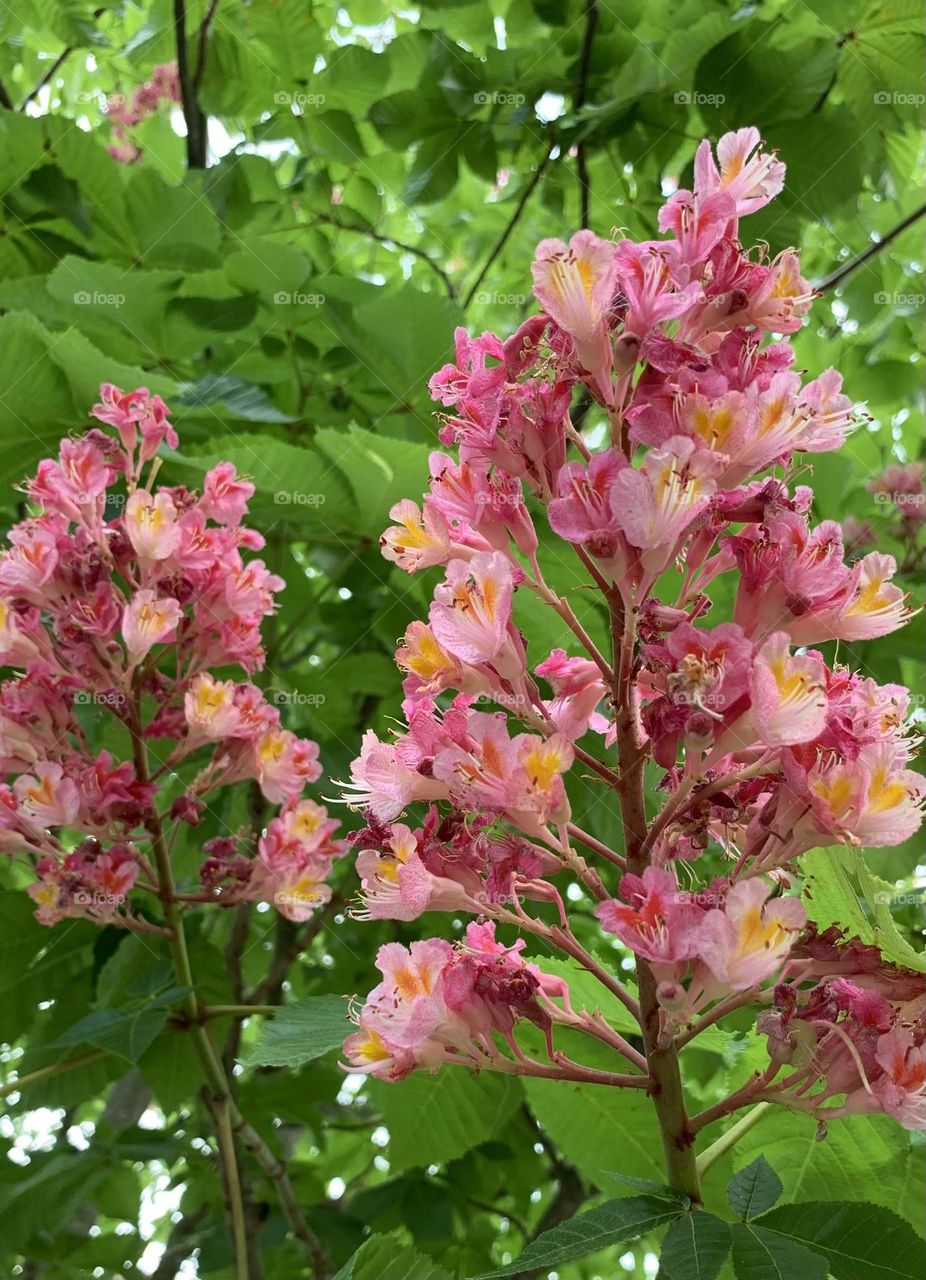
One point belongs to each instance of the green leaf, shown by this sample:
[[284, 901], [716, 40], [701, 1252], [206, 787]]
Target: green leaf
[[870, 1150], [293, 483], [387, 1258], [646, 1185], [435, 1119], [379, 469], [231, 395], [695, 1247], [759, 1254], [754, 1189], [49, 1189], [124, 1032], [860, 1241], [592, 1125], [615, 1222], [832, 899], [301, 1032]]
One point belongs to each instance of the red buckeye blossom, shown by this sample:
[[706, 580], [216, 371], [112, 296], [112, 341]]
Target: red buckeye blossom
[[760, 747], [122, 617]]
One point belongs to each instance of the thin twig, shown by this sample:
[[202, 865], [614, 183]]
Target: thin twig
[[381, 238], [729, 1139], [276, 1170], [44, 1073], [512, 223], [201, 40], [836, 277], [65, 53]]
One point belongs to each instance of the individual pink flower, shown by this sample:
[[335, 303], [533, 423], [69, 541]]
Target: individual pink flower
[[210, 708], [48, 797], [578, 689], [901, 1089], [383, 782], [471, 612], [225, 497], [583, 511], [645, 276], [654, 920], [575, 285], [417, 541], [748, 940], [151, 525], [396, 884], [148, 620], [788, 702], [283, 764], [655, 504], [783, 299], [749, 176]]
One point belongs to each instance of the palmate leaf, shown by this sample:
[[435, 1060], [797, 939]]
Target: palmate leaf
[[301, 1032], [859, 1241], [128, 1033], [435, 1119], [615, 1222], [870, 1151], [387, 1258], [754, 1189], [760, 1254], [695, 1247]]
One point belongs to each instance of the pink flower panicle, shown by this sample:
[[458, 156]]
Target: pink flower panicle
[[125, 114], [119, 600], [768, 748]]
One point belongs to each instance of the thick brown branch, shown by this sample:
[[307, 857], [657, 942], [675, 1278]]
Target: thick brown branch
[[195, 120]]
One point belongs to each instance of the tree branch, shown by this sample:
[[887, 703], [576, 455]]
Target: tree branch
[[195, 120], [585, 58], [382, 238], [46, 77], [512, 223], [836, 277], [201, 41]]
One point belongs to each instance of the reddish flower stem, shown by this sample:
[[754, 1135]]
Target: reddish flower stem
[[661, 1054]]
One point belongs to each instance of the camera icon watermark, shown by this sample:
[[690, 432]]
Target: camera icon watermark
[[684, 98], [296, 498], [497, 98], [283, 298], [502, 299], [887, 98], [896, 299], [284, 99], [97, 901], [293, 697], [902, 898], [83, 298], [111, 698]]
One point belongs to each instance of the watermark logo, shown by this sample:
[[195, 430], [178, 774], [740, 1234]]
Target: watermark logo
[[83, 298], [886, 98], [499, 98], [685, 99], [293, 697], [502, 299], [884, 299], [283, 298], [284, 99], [296, 498], [111, 698]]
